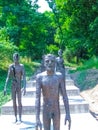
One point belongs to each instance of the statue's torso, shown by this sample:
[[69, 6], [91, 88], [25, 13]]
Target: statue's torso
[[16, 72], [50, 88]]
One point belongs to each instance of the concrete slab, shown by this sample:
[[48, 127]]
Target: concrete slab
[[83, 121], [72, 90], [76, 103]]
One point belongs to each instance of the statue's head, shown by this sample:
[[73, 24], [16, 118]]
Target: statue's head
[[60, 52], [15, 57], [49, 62]]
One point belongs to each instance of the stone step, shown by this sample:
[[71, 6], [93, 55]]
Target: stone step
[[69, 82], [71, 91], [32, 83], [76, 103]]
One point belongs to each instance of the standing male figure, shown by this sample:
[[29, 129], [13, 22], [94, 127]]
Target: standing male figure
[[60, 63], [51, 83], [16, 73]]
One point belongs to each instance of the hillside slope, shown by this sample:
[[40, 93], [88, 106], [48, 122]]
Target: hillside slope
[[87, 81]]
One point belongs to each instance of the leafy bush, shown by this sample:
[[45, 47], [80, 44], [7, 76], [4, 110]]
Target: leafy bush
[[91, 63]]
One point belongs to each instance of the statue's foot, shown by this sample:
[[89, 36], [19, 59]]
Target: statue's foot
[[19, 122]]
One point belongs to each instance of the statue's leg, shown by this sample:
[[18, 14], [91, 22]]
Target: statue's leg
[[56, 120], [14, 102], [19, 102], [46, 119]]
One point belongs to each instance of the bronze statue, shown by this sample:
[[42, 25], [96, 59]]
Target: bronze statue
[[51, 83], [16, 73], [60, 63]]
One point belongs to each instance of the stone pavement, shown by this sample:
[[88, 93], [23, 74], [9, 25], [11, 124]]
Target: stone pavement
[[82, 121]]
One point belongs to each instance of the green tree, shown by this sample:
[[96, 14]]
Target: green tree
[[7, 48], [30, 30], [78, 22], [17, 17]]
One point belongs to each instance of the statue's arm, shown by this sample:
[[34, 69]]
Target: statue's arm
[[24, 79], [66, 102], [24, 76], [38, 102], [65, 97]]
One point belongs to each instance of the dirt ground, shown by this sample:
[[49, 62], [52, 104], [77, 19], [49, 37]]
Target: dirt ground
[[90, 94]]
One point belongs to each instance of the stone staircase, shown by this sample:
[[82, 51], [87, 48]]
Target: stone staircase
[[76, 103]]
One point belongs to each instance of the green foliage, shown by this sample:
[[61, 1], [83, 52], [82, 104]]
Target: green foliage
[[30, 68], [6, 48], [81, 77], [3, 74], [86, 75], [70, 25], [85, 79], [89, 64], [76, 26], [3, 99], [52, 49], [68, 55], [28, 29]]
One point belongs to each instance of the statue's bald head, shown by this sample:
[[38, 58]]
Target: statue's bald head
[[16, 57], [49, 62], [49, 56]]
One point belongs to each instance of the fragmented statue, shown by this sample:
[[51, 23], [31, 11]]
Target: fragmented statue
[[16, 73]]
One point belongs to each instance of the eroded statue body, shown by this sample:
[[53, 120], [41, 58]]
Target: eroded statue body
[[16, 73]]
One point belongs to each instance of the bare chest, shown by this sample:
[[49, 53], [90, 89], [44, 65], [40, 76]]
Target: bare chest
[[16, 70], [50, 82]]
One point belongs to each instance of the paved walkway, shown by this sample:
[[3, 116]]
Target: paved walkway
[[83, 121]]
